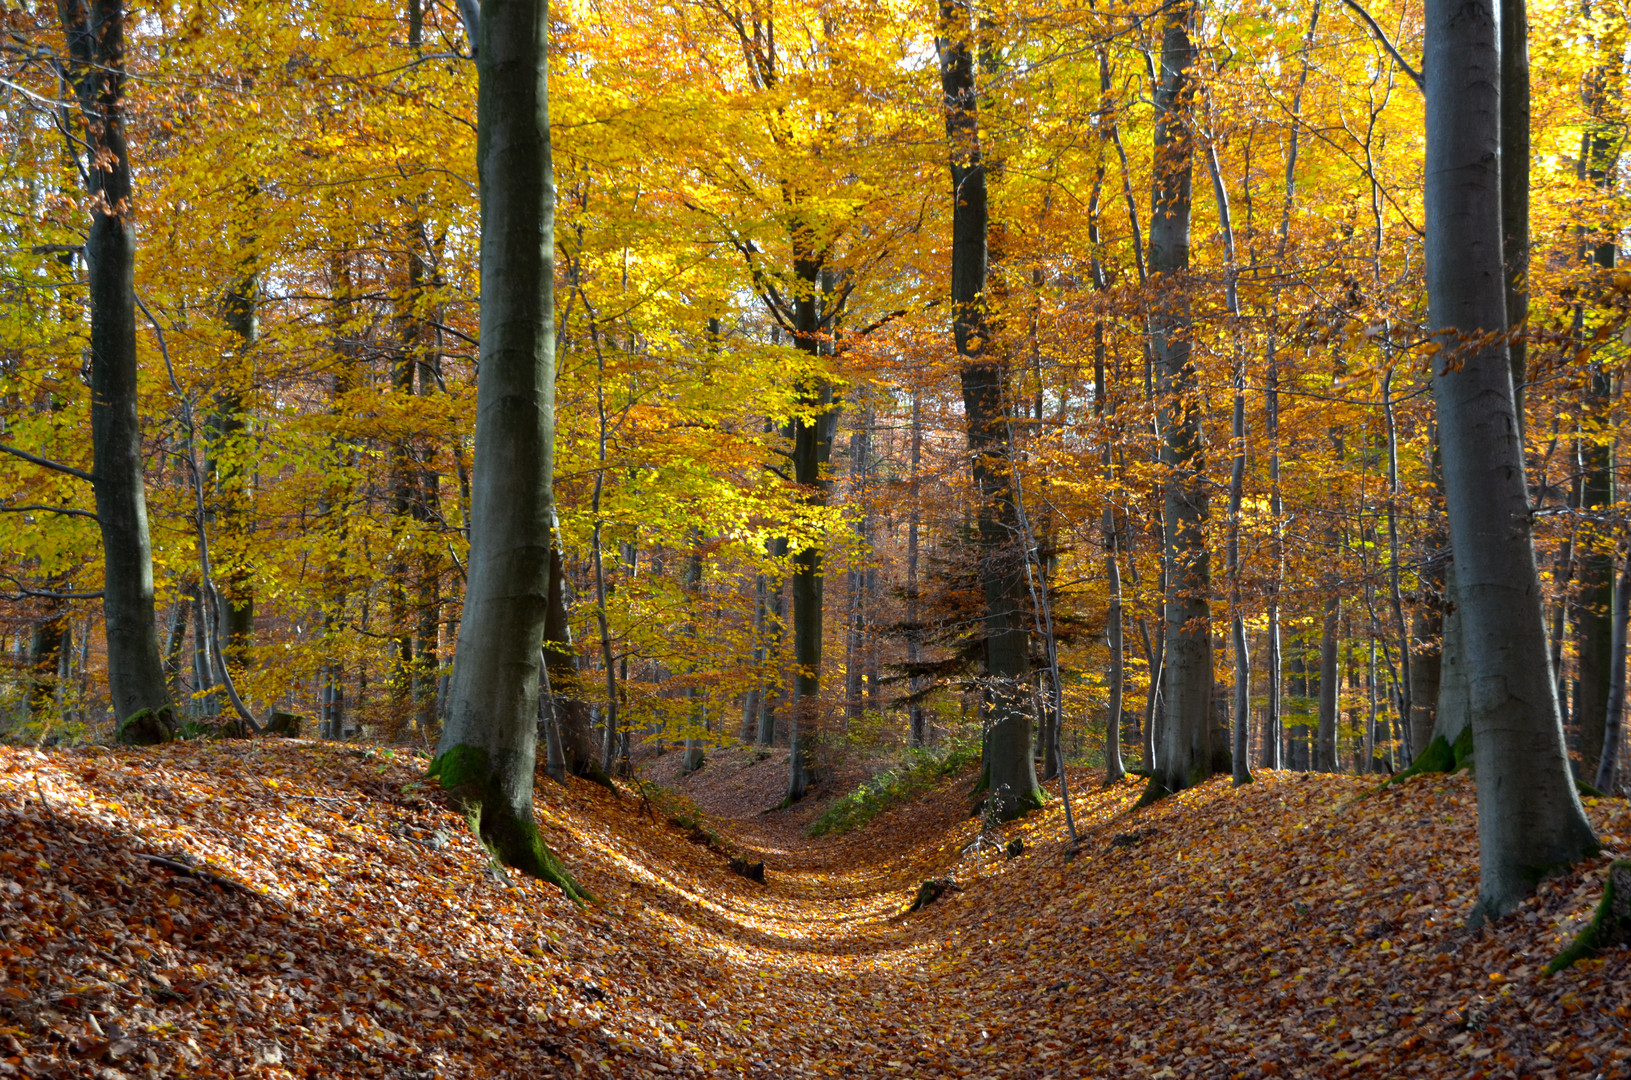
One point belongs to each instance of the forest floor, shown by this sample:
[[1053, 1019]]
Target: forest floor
[[296, 909]]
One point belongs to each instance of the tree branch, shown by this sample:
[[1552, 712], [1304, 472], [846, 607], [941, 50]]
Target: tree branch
[[33, 507], [47, 463], [1381, 35]]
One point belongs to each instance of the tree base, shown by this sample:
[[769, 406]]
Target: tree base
[[1154, 792], [511, 839], [1012, 809], [1441, 756], [1610, 926], [147, 728]]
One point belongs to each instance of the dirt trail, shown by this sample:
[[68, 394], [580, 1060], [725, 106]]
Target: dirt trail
[[1283, 929]]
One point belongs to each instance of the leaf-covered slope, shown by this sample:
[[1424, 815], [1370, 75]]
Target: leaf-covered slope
[[1279, 929]]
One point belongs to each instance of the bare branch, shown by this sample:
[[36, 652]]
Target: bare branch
[[29, 508], [47, 463], [1381, 35]]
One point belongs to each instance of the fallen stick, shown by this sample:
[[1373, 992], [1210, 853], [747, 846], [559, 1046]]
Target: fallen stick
[[179, 867]]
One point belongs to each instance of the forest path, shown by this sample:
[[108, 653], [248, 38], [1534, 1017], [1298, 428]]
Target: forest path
[[346, 924]]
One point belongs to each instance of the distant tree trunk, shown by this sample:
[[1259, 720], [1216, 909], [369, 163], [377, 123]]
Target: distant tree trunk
[[1607, 779], [1115, 630], [95, 32], [1154, 650], [488, 747], [1184, 757], [570, 711], [1595, 560], [226, 423], [1273, 723], [1428, 630], [1010, 769], [1530, 821], [860, 450], [914, 630], [45, 657], [693, 693], [1515, 151], [1241, 720], [750, 700], [812, 449], [173, 639], [776, 688], [1325, 747]]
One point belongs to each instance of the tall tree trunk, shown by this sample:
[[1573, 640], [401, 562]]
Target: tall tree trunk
[[226, 423], [860, 450], [1241, 720], [1608, 766], [488, 748], [1530, 821], [95, 32], [699, 716], [1184, 757], [1115, 629], [776, 687], [1010, 770], [812, 449], [1325, 744], [1273, 724], [914, 630], [751, 699]]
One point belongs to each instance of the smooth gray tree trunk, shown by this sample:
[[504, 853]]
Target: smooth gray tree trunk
[[486, 755], [1184, 755], [914, 631], [1325, 735], [1530, 822], [95, 32], [1608, 762]]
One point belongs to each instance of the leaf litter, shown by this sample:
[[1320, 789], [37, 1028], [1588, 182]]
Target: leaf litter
[[295, 909]]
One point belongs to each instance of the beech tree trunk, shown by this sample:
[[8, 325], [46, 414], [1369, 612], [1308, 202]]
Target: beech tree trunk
[[1325, 743], [1530, 821], [571, 711], [1607, 778], [914, 630], [95, 32], [488, 748], [1184, 755], [1010, 770]]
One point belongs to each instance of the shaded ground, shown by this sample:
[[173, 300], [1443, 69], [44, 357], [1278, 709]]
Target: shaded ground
[[1280, 929]]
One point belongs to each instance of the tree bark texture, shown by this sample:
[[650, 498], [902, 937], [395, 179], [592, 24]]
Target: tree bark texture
[[1184, 756], [1010, 769], [1530, 821], [488, 748], [95, 31]]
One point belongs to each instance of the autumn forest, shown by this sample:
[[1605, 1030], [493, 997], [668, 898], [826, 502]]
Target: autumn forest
[[813, 538]]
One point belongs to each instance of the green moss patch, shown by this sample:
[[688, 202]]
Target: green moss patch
[[1610, 926]]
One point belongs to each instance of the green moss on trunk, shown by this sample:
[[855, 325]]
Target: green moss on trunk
[[1012, 809], [511, 838], [1610, 926], [1439, 757], [1154, 792], [147, 728]]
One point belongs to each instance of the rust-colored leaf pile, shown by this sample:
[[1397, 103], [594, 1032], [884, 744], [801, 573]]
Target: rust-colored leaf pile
[[306, 910]]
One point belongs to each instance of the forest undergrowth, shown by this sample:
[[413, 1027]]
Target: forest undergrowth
[[288, 909]]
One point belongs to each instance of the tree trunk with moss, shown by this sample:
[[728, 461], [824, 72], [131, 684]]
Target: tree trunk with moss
[[1530, 822], [487, 753]]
